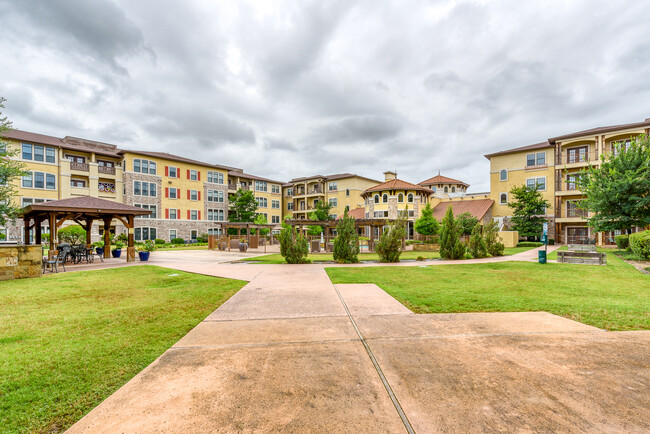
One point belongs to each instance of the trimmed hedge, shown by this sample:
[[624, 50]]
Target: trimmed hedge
[[177, 241], [529, 244], [640, 244], [622, 241], [159, 241]]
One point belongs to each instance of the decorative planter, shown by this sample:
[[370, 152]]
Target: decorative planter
[[144, 256], [243, 247], [117, 253], [99, 250]]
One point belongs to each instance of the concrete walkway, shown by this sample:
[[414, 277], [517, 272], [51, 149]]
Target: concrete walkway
[[293, 352]]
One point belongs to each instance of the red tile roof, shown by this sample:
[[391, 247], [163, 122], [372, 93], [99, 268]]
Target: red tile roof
[[357, 213], [439, 179], [478, 208], [397, 184]]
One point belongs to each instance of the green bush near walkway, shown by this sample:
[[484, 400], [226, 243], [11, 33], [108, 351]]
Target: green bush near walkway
[[69, 340], [612, 297]]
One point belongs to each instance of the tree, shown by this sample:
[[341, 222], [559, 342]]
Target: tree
[[467, 222], [346, 243], [477, 246], [529, 207], [450, 245], [618, 191], [74, 234], [426, 224], [242, 208], [10, 171], [321, 213], [294, 248], [389, 247], [492, 243], [261, 220]]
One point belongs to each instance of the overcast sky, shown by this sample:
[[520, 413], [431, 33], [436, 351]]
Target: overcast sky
[[289, 89]]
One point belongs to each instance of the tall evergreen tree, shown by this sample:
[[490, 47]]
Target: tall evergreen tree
[[389, 247], [346, 243], [450, 245], [426, 224], [10, 171], [529, 208], [618, 191]]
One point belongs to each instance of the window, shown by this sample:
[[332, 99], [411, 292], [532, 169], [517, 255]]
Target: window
[[194, 215], [623, 145], [194, 175], [143, 234], [503, 175], [262, 202], [173, 172], [144, 166], [275, 204], [78, 183], [333, 201], [384, 198], [172, 234], [39, 180], [290, 191], [216, 214], [290, 206], [30, 201], [39, 153], [446, 189], [215, 196], [503, 198], [536, 183], [577, 155], [76, 158], [194, 195], [173, 214], [27, 180], [572, 182], [332, 186], [194, 234], [215, 177], [275, 188], [433, 188], [152, 208], [260, 186], [50, 181], [376, 198], [380, 214], [409, 198], [214, 231], [400, 198], [573, 209], [530, 160], [453, 189], [50, 156], [275, 219], [541, 158], [27, 151], [173, 193]]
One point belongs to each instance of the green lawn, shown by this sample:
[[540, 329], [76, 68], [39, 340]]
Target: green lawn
[[276, 258], [613, 297], [69, 340]]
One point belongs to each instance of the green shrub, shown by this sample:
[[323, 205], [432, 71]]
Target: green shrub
[[346, 243], [466, 223], [622, 241], [177, 241], [640, 244], [294, 248], [529, 244], [74, 234], [426, 224], [450, 245], [159, 241], [123, 238], [203, 238], [389, 247], [492, 244], [476, 245], [551, 242]]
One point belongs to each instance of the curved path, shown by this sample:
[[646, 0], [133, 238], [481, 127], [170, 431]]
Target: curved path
[[293, 352]]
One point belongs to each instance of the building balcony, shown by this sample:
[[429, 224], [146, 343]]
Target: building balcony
[[81, 167], [566, 189], [105, 170], [571, 159]]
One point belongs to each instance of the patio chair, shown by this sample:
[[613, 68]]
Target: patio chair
[[53, 263]]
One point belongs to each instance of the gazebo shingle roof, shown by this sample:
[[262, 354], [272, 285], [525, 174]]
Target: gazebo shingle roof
[[89, 203]]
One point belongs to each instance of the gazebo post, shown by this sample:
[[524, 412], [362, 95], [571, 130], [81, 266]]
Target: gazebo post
[[37, 230], [107, 236], [27, 231], [130, 251], [88, 227], [52, 222]]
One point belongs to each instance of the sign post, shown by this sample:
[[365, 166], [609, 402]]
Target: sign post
[[542, 255]]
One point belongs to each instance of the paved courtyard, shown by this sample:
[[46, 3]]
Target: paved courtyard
[[293, 352]]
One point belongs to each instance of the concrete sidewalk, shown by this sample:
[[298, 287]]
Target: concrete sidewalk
[[292, 352]]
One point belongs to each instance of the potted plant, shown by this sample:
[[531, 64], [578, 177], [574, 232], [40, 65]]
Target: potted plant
[[117, 250], [99, 247], [243, 245], [145, 250]]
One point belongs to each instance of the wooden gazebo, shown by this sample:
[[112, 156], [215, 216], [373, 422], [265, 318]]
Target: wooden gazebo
[[84, 210]]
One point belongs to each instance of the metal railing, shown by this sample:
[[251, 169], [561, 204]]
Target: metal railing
[[567, 157], [108, 170], [79, 166]]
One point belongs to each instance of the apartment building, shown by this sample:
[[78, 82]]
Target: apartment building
[[342, 191], [268, 193], [187, 198], [62, 168], [554, 166]]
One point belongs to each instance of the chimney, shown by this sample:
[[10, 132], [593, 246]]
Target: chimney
[[389, 176]]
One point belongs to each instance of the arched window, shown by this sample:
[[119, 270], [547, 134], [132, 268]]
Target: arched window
[[384, 198], [376, 198], [410, 198], [446, 189], [453, 189], [347, 192], [400, 198], [503, 198], [504, 175]]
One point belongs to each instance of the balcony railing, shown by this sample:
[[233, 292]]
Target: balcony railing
[[79, 166], [575, 157], [315, 191], [570, 211], [107, 170]]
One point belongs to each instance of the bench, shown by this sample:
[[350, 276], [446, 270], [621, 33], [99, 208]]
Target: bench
[[582, 247], [591, 258]]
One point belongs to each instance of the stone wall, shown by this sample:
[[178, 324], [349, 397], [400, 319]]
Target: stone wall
[[19, 262]]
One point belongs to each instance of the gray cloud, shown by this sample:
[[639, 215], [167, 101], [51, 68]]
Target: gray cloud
[[289, 88]]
